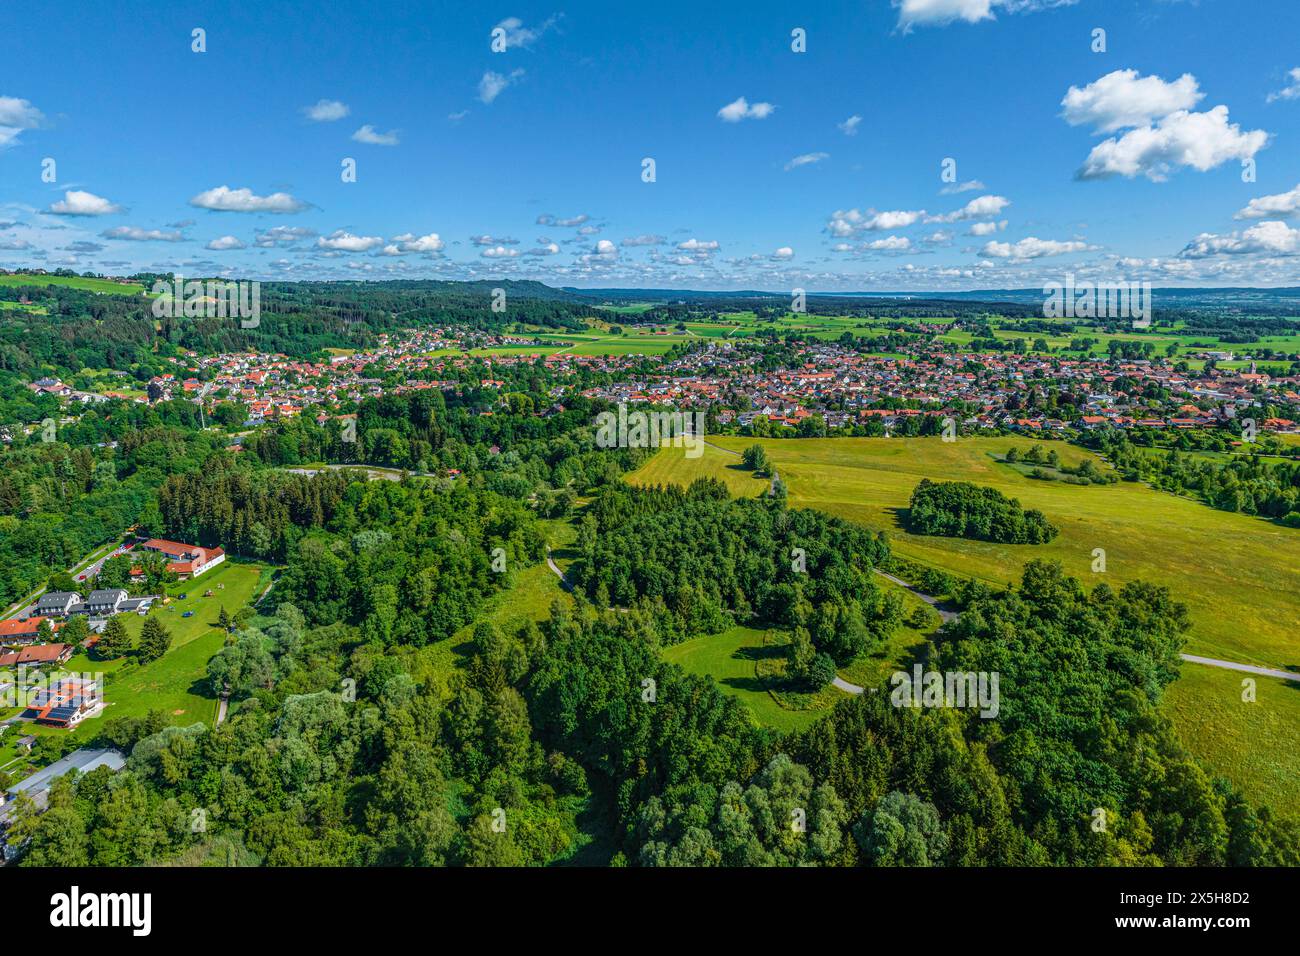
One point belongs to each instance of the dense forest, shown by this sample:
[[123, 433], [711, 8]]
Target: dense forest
[[575, 741]]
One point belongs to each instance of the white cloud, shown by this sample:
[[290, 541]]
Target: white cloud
[[368, 134], [515, 34], [740, 109], [1123, 98], [850, 126], [458, 116], [409, 242], [17, 115], [1272, 238], [986, 228], [941, 12], [326, 111], [695, 245], [546, 219], [1199, 140], [1289, 92], [981, 207], [77, 202], [1031, 248], [486, 240], [342, 241], [550, 249], [499, 252], [224, 243], [645, 240], [282, 235], [889, 244], [784, 253], [953, 189], [136, 234], [492, 84], [1280, 204], [806, 159], [225, 199]]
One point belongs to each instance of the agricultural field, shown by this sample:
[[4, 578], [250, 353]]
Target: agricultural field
[[105, 286], [1239, 576]]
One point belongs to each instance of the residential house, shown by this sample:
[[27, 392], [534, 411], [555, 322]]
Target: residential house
[[187, 560], [24, 631], [102, 603], [57, 603], [37, 654]]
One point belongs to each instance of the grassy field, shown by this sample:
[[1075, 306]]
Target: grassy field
[[171, 684], [1239, 576], [106, 286], [1251, 744], [528, 598], [731, 658]]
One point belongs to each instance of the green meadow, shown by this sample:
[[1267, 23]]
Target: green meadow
[[106, 286], [1239, 576], [733, 659], [174, 682]]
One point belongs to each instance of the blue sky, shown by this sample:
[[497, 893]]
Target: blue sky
[[527, 163]]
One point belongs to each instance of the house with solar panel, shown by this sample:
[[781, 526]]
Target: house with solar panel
[[66, 702]]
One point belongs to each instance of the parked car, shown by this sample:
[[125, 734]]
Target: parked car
[[188, 614]]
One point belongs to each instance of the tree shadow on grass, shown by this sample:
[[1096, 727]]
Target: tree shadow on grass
[[754, 684], [900, 516], [761, 652]]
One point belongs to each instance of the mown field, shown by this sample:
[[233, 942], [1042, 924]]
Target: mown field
[[1239, 576], [106, 286]]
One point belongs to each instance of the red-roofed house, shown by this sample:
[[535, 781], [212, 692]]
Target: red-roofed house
[[24, 631], [187, 560]]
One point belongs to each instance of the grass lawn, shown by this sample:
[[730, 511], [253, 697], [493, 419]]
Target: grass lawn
[[527, 599], [1252, 744], [1239, 576], [731, 659], [171, 684]]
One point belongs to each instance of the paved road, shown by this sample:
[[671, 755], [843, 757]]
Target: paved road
[[82, 577], [1245, 668], [944, 614], [370, 472], [550, 563], [221, 708]]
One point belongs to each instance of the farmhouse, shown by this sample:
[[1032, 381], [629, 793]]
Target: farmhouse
[[187, 560]]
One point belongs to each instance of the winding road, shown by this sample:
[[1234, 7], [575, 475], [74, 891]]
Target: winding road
[[1245, 668]]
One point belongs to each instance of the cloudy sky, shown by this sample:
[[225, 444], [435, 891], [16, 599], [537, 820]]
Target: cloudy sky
[[866, 145]]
